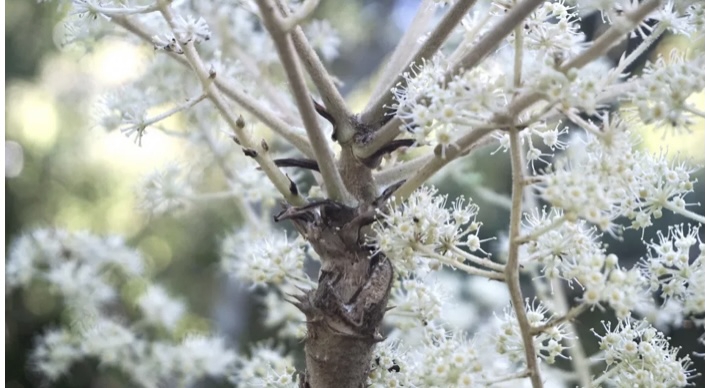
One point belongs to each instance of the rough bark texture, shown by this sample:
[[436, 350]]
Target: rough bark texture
[[345, 311]]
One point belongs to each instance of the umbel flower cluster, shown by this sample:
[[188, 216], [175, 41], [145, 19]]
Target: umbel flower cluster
[[518, 76]]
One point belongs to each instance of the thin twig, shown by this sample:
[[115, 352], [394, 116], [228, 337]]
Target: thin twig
[[478, 260], [684, 212], [501, 379], [568, 315], [164, 115], [512, 268], [538, 232], [401, 171], [324, 155], [332, 99], [449, 261], [245, 101], [457, 149], [494, 36]]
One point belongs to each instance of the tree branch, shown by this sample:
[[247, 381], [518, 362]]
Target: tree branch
[[512, 269], [493, 37], [280, 181], [324, 155]]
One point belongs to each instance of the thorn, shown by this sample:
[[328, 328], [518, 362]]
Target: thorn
[[373, 160], [292, 187], [387, 193], [308, 164], [321, 110], [389, 308]]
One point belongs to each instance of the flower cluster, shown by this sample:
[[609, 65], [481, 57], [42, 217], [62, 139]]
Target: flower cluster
[[612, 179], [443, 359], [266, 367], [548, 342], [636, 354], [79, 267], [432, 109], [423, 225], [148, 363], [264, 260], [661, 94], [165, 191], [672, 271], [573, 251]]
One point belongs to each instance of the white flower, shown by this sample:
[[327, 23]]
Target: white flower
[[54, 353], [324, 38], [265, 368], [191, 29], [111, 342], [165, 191], [201, 356], [423, 225], [636, 351], [671, 270], [159, 308], [273, 259]]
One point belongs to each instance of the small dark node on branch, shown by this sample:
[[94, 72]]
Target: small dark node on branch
[[308, 164], [236, 140], [249, 152], [211, 73], [265, 146], [240, 122]]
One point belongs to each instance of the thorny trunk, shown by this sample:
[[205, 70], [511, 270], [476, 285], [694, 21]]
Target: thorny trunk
[[345, 311]]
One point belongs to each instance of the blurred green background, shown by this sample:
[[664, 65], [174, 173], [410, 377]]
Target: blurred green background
[[80, 178]]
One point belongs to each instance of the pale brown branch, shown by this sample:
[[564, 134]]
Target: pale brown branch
[[512, 269], [324, 155]]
